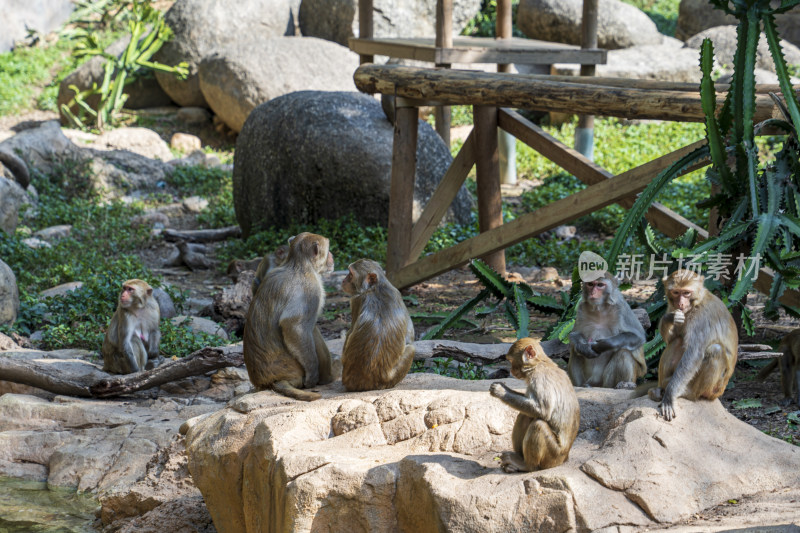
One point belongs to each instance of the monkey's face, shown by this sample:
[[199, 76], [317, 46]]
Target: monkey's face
[[595, 291], [682, 299], [329, 263], [348, 283], [127, 296]]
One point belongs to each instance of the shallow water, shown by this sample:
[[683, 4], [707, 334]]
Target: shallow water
[[30, 507]]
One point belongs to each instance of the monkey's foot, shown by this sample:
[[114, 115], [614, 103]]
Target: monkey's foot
[[629, 385], [510, 462], [655, 394]]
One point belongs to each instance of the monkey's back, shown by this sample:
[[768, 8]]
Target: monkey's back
[[552, 384]]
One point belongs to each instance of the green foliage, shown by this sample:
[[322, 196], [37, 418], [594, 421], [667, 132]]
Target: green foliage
[[445, 367], [214, 184], [178, 340], [746, 403], [148, 32], [663, 12], [484, 23]]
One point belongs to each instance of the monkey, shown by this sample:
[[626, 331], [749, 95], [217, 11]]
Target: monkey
[[270, 261], [131, 342], [789, 363], [549, 413], [702, 344], [607, 340], [283, 347], [378, 350]]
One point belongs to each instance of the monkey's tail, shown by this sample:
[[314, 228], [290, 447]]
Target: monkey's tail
[[767, 370], [643, 389], [286, 388]]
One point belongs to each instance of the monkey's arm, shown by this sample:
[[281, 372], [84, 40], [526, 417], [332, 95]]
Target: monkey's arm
[[631, 333], [521, 402], [133, 351], [298, 337], [687, 368], [582, 346]]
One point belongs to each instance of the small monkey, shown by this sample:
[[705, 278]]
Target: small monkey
[[702, 343], [789, 364], [131, 342], [607, 341], [270, 261], [283, 347], [549, 413], [378, 350]]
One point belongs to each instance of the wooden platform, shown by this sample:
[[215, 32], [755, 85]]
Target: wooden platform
[[479, 50]]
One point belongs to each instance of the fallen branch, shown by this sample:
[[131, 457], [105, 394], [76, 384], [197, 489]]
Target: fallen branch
[[202, 235], [197, 363], [43, 376]]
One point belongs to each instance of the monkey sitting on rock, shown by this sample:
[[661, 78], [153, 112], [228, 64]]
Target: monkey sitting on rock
[[132, 340]]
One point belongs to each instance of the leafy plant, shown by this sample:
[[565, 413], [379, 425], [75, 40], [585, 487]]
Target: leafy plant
[[148, 32], [445, 367]]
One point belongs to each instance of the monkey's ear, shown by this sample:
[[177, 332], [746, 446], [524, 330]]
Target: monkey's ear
[[529, 353], [289, 241], [372, 279], [316, 248], [150, 291]]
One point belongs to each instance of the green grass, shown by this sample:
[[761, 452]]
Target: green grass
[[663, 12]]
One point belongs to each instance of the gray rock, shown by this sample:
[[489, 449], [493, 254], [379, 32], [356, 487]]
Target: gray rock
[[14, 168], [165, 304], [142, 141], [42, 147], [54, 233], [185, 142], [315, 155], [142, 93], [9, 295], [200, 325], [724, 39], [619, 25], [42, 16], [203, 26], [193, 115], [337, 20], [194, 204], [33, 242], [237, 78], [61, 290], [12, 198], [762, 77], [695, 16]]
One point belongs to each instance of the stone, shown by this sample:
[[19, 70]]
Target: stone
[[54, 233], [7, 343], [203, 26], [165, 304], [12, 199], [61, 290], [9, 294], [425, 453], [193, 115], [185, 142], [337, 20], [194, 204], [151, 218], [142, 141], [546, 274], [236, 79], [724, 39], [619, 25], [33, 242], [313, 155], [695, 16], [200, 325], [41, 16], [144, 92], [14, 168]]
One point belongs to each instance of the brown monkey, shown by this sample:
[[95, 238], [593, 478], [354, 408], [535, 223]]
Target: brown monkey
[[378, 350], [132, 339], [789, 364], [270, 261], [702, 343], [283, 348], [607, 342], [549, 413]]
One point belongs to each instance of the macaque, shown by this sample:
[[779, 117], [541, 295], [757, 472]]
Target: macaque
[[789, 364], [702, 344], [132, 339], [378, 350], [283, 348], [270, 261], [607, 342], [549, 413]]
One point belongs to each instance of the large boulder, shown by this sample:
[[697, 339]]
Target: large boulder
[[142, 93], [337, 20], [314, 155], [203, 26], [695, 16], [21, 16], [237, 78], [724, 39], [619, 25], [12, 198], [422, 457], [9, 294]]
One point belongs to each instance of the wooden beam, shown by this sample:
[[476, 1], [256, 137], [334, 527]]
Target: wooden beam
[[401, 195], [365, 27], [457, 87], [764, 283], [444, 39], [444, 195], [487, 170]]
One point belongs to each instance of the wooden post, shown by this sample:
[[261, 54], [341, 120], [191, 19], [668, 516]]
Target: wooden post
[[507, 145], [401, 191], [444, 39], [487, 169], [584, 134], [365, 27]]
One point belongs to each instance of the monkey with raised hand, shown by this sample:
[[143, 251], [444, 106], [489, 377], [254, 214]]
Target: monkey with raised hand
[[549, 413], [270, 261], [283, 347], [132, 339], [702, 343], [378, 350], [607, 340]]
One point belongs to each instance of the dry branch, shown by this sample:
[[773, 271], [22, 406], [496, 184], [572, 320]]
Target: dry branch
[[202, 235], [43, 376]]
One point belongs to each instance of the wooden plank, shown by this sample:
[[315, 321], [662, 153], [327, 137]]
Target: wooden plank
[[401, 191], [392, 49], [589, 172], [490, 55], [457, 87], [365, 27], [764, 283], [441, 199], [550, 216], [487, 170]]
